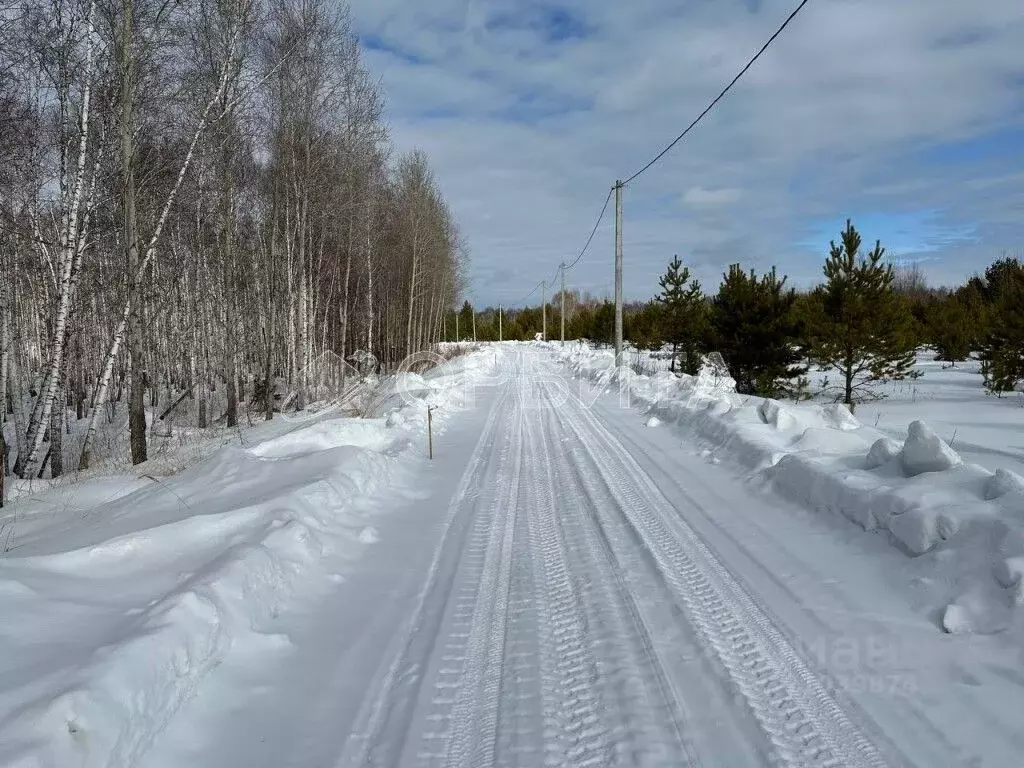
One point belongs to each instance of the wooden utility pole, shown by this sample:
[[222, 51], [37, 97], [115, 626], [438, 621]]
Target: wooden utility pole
[[618, 273], [457, 339], [544, 309], [561, 312]]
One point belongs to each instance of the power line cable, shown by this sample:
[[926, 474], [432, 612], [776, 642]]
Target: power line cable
[[554, 277], [600, 218], [673, 143], [560, 267], [720, 96], [533, 291]]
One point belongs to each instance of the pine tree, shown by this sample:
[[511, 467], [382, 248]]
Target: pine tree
[[756, 328], [465, 321], [950, 325], [684, 320], [862, 328], [643, 327], [603, 325], [1002, 352]]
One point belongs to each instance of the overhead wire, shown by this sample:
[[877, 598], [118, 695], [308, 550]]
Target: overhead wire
[[673, 143], [586, 246], [600, 217], [721, 95], [533, 291]]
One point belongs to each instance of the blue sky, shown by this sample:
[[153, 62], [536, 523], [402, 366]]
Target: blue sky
[[907, 117]]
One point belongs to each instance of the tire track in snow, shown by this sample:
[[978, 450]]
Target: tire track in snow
[[649, 720], [474, 720], [670, 482], [521, 733], [803, 722], [575, 734], [383, 725]]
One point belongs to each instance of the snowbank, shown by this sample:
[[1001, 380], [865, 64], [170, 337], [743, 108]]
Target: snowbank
[[918, 492], [120, 597]]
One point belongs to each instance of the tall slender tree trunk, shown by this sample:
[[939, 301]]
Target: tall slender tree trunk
[[120, 332], [270, 334], [300, 398], [227, 218], [4, 385], [369, 276], [70, 262], [344, 288], [17, 395], [57, 417], [848, 364], [130, 235], [412, 294]]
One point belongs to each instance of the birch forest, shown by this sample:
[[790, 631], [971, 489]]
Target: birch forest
[[199, 201]]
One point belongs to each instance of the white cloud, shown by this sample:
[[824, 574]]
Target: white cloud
[[848, 113], [699, 196]]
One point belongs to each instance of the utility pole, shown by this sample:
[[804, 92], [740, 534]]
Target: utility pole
[[474, 325], [544, 309], [561, 268], [499, 324], [618, 273], [457, 339]]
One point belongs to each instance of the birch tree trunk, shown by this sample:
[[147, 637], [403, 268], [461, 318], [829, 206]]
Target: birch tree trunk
[[69, 261], [122, 327], [57, 417], [369, 276], [4, 384], [412, 293]]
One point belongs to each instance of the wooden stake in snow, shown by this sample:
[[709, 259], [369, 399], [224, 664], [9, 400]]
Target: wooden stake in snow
[[430, 431]]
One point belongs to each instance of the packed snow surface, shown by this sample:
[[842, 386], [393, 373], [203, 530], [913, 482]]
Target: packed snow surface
[[561, 585]]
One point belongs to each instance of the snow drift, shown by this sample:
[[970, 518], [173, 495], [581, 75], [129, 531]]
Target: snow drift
[[919, 492]]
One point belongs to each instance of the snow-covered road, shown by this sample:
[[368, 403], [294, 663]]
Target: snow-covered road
[[570, 588]]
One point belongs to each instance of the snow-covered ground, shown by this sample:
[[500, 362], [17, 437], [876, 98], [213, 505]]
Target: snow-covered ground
[[121, 594], [585, 575], [982, 428]]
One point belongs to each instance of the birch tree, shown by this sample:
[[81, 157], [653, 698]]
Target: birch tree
[[198, 203]]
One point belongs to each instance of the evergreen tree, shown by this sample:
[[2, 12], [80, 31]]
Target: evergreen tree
[[684, 320], [1001, 276], [466, 322], [643, 327], [862, 328], [1002, 352], [757, 329], [603, 324], [580, 323], [951, 327]]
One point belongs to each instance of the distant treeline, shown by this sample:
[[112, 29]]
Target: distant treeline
[[863, 322]]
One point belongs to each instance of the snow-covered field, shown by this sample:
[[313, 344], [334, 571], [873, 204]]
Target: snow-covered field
[[636, 571], [121, 594], [982, 428]]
